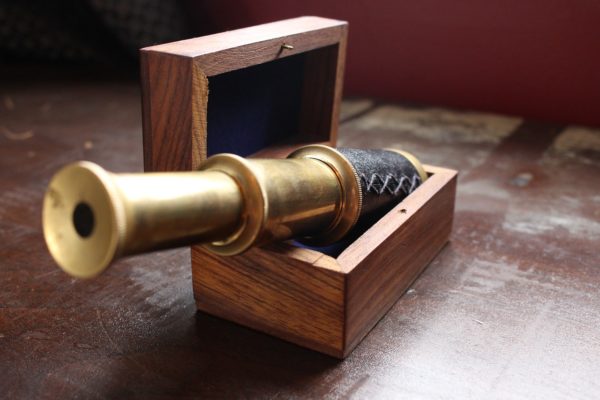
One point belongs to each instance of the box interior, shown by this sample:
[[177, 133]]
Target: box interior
[[253, 108]]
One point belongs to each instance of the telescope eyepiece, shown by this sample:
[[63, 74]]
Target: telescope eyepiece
[[82, 220]]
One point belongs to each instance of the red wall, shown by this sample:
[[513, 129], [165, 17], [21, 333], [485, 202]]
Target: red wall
[[539, 59]]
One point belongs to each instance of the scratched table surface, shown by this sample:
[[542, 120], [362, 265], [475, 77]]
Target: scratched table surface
[[509, 309]]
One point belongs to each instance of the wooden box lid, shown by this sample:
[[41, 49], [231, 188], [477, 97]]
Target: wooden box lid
[[242, 91]]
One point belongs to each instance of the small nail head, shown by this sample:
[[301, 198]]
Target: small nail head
[[287, 46]]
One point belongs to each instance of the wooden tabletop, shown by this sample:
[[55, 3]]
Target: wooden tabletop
[[509, 309]]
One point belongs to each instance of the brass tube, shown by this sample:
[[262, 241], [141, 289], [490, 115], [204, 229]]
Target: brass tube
[[168, 210], [303, 197], [91, 217]]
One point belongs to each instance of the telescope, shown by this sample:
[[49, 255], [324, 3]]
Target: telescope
[[317, 195]]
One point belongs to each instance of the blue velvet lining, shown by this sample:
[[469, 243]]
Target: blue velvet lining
[[252, 108], [335, 249]]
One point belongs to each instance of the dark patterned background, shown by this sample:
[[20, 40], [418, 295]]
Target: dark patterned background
[[105, 31]]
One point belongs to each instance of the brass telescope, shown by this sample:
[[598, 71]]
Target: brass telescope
[[91, 217]]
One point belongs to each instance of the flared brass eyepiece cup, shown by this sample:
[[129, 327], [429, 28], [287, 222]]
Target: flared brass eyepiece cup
[[83, 219]]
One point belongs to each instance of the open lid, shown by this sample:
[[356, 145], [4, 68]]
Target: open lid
[[242, 91]]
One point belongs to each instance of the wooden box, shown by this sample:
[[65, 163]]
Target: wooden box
[[264, 91]]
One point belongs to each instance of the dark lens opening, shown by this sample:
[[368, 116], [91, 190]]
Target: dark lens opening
[[83, 220]]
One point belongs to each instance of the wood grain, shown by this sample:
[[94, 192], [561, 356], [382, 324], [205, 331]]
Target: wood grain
[[321, 32], [324, 78], [386, 259], [282, 296], [168, 114]]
